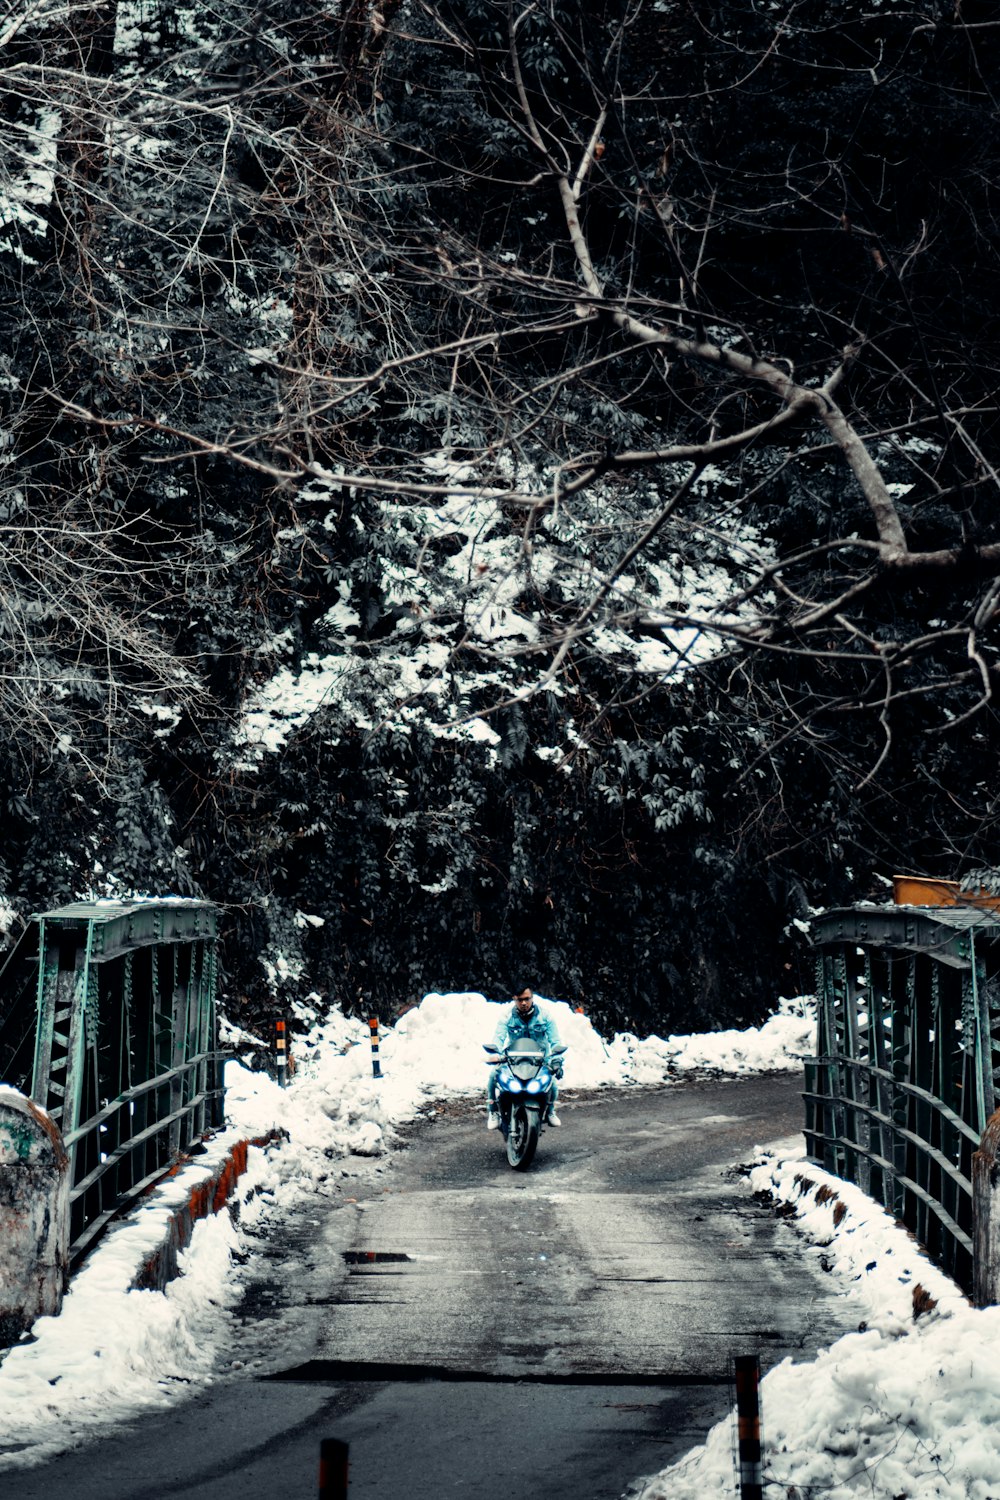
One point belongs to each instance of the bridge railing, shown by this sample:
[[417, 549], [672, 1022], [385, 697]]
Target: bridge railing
[[903, 1083], [121, 1018]]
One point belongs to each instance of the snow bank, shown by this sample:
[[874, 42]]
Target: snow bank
[[435, 1051], [909, 1406], [113, 1352]]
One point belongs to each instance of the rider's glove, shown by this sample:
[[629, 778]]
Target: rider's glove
[[556, 1068]]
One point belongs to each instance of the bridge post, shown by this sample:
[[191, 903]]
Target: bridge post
[[749, 1448], [986, 1216], [34, 1215], [333, 1469]]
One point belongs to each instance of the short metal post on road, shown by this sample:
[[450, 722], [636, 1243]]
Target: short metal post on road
[[281, 1052], [750, 1447], [332, 1469], [376, 1065]]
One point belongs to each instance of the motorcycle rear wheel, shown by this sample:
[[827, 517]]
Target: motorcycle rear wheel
[[522, 1138]]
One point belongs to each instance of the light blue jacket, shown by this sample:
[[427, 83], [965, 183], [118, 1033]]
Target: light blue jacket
[[539, 1025]]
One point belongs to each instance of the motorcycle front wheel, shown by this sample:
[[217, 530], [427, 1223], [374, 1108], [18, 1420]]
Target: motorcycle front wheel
[[522, 1138]]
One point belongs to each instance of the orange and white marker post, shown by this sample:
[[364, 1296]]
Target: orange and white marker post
[[281, 1051], [376, 1064]]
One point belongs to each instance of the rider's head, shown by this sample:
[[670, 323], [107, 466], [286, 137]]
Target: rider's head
[[524, 1000]]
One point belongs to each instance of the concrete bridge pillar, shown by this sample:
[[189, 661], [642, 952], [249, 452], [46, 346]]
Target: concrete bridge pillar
[[34, 1214]]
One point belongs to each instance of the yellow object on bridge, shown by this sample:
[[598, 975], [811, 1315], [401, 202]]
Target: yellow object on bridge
[[920, 890]]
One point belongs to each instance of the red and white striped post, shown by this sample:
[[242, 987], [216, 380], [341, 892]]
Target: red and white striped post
[[376, 1065], [750, 1448]]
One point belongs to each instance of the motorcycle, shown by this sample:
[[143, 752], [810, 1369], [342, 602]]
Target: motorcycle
[[523, 1096]]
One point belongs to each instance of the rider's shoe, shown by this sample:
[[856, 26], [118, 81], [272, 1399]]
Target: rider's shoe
[[492, 1119], [553, 1118]]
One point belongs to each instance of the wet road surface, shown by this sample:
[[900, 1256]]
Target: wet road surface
[[469, 1329]]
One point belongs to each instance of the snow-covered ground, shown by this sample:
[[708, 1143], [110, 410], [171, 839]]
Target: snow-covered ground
[[907, 1406]]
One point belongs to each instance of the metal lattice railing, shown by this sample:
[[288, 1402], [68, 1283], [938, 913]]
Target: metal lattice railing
[[902, 1085], [124, 1033]]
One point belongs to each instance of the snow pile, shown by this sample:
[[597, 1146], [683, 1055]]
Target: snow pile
[[782, 1042], [437, 1047], [909, 1406], [113, 1352], [435, 1051]]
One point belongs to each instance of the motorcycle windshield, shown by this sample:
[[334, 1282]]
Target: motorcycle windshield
[[524, 1059]]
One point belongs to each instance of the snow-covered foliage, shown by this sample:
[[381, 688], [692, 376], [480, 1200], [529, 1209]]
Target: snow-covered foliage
[[377, 544]]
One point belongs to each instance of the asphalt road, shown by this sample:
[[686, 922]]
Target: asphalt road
[[468, 1329]]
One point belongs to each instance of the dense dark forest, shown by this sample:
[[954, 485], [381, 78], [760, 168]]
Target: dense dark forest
[[499, 493]]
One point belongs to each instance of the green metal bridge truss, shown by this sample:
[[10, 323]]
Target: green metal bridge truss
[[115, 1003], [904, 1079]]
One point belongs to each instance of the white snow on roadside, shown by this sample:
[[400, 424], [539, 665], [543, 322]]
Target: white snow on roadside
[[113, 1351], [907, 1406], [435, 1050]]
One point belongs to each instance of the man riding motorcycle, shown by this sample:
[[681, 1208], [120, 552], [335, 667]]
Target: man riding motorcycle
[[526, 1019]]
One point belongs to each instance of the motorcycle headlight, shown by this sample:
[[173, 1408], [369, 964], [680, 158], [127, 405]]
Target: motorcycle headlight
[[515, 1085], [534, 1087]]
